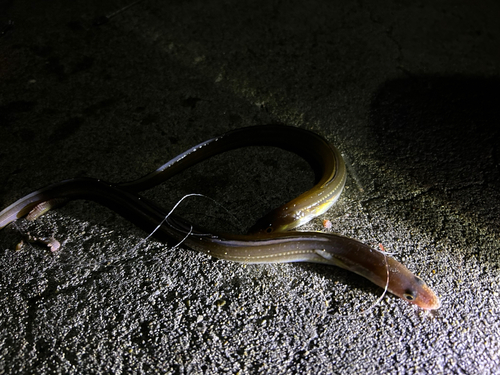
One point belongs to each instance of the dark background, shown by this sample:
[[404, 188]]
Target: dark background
[[409, 93]]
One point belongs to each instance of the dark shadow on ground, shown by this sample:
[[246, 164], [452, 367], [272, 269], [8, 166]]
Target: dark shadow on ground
[[443, 132]]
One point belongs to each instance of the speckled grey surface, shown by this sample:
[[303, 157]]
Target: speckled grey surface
[[408, 92]]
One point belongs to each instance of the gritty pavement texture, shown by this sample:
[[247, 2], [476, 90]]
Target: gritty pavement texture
[[408, 91]]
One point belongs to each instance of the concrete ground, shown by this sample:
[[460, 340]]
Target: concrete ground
[[408, 91]]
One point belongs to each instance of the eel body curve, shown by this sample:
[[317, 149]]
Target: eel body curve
[[272, 239]]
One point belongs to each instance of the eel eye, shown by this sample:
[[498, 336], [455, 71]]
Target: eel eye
[[269, 229], [409, 295]]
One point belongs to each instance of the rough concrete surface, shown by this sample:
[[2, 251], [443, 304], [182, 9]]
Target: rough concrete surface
[[408, 91]]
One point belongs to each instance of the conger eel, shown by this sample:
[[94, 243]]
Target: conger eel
[[270, 240]]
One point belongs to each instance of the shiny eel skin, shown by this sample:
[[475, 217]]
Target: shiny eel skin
[[270, 240]]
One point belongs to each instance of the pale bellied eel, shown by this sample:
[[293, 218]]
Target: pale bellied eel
[[270, 239]]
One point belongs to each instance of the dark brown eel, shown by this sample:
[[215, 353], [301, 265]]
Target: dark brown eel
[[271, 239]]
